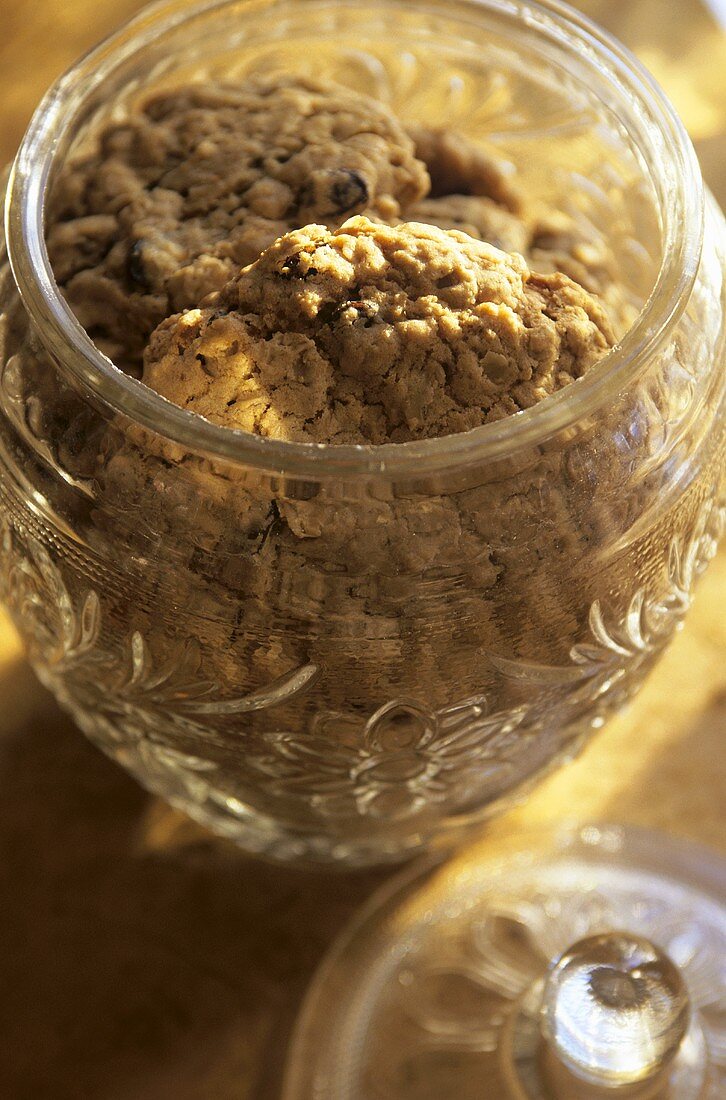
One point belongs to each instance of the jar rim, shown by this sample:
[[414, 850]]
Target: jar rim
[[70, 346]]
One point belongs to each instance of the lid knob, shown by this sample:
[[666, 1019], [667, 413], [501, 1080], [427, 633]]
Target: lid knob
[[615, 1009]]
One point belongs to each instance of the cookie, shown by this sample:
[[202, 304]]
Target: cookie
[[376, 334], [459, 166], [475, 215], [196, 182]]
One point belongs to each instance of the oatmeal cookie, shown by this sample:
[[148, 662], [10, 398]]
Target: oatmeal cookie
[[196, 182], [559, 243], [459, 166], [477, 216], [377, 334]]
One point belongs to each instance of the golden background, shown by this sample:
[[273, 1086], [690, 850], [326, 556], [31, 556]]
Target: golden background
[[139, 958]]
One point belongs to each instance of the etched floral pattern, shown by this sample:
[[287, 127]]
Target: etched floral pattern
[[648, 622], [150, 708], [406, 757], [162, 717]]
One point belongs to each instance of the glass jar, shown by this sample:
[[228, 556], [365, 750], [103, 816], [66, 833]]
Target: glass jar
[[347, 653]]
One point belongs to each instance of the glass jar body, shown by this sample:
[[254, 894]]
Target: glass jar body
[[338, 668]]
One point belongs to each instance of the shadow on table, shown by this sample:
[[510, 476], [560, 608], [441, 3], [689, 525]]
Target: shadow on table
[[139, 958]]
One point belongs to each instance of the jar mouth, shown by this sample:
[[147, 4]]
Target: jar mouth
[[72, 349]]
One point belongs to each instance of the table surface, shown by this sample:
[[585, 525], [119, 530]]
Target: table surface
[[139, 957]]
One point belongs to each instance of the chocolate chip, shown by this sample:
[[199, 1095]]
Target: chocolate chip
[[291, 269], [349, 190], [202, 360], [330, 312], [136, 269], [366, 313], [273, 521], [290, 266], [362, 312], [333, 191]]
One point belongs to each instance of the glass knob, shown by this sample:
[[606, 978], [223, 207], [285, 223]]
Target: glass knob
[[615, 1009]]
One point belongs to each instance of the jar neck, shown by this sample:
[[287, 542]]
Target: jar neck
[[153, 41]]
